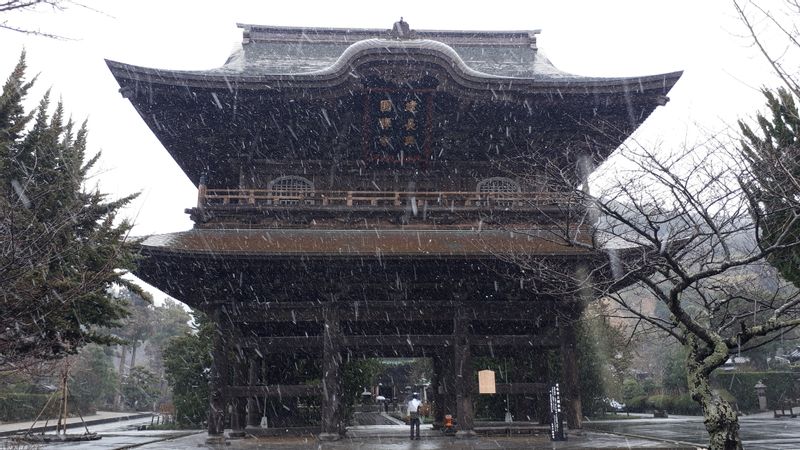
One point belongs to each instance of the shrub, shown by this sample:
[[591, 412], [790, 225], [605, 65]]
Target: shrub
[[631, 389], [660, 401], [17, 406], [741, 385], [637, 404], [683, 404]]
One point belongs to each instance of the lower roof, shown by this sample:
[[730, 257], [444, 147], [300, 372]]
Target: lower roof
[[350, 243]]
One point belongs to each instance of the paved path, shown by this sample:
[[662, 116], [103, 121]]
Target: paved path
[[123, 435], [758, 431], [583, 441], [119, 435], [73, 423]]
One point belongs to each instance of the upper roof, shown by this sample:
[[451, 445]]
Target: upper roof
[[210, 119], [299, 54], [297, 50]]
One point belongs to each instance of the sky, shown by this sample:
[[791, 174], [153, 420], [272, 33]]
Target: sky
[[723, 71]]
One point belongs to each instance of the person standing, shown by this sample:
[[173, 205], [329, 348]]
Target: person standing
[[413, 413]]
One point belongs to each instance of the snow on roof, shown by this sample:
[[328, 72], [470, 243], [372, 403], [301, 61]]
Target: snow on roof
[[270, 50]]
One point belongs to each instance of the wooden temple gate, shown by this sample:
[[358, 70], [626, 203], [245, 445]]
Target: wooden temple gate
[[374, 193], [240, 383]]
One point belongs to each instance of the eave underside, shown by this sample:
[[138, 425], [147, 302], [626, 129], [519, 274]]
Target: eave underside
[[387, 306], [212, 121]]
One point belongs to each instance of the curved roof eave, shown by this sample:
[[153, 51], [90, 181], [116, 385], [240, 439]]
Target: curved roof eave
[[271, 243], [386, 51]]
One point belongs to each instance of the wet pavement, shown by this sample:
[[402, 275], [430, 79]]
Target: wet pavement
[[582, 441], [116, 435], [381, 437], [680, 432], [758, 431], [74, 423]]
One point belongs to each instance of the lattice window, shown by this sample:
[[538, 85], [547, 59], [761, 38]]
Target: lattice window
[[290, 190], [498, 184], [501, 186]]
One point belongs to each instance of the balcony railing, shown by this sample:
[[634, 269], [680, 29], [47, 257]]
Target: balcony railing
[[264, 197]]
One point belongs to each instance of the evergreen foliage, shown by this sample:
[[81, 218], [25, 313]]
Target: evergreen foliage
[[61, 248], [140, 389], [773, 154], [187, 366], [781, 387], [92, 382], [357, 374], [604, 357]]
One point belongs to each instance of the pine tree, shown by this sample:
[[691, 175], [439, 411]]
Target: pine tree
[[61, 247], [774, 159], [12, 115]]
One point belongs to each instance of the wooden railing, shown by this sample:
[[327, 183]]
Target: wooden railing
[[263, 197]]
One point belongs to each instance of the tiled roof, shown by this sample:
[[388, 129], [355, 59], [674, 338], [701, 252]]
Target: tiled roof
[[444, 243], [275, 53]]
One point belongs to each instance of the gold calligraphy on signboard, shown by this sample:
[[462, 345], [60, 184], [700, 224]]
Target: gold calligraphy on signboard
[[399, 125]]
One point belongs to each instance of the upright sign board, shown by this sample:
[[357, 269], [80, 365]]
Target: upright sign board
[[556, 416], [486, 384]]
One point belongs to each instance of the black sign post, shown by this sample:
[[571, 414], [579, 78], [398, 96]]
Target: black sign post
[[556, 415]]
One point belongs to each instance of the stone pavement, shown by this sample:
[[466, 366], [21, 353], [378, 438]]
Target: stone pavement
[[393, 437], [124, 435], [583, 441], [679, 432], [758, 431], [73, 423], [115, 435]]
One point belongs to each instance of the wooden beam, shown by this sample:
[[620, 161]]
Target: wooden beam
[[391, 310], [521, 388], [285, 344], [290, 344], [275, 390], [519, 341]]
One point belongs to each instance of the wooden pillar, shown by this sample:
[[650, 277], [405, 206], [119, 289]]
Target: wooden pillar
[[331, 380], [464, 374], [571, 389], [238, 419], [438, 391], [539, 405], [253, 368], [449, 383], [219, 379]]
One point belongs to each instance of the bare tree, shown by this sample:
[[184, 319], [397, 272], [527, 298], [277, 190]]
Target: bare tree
[[679, 227], [9, 7], [775, 33]]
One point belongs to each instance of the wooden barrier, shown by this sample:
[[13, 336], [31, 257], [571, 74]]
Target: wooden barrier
[[222, 197]]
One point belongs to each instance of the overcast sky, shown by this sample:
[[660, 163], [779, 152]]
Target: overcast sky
[[594, 38]]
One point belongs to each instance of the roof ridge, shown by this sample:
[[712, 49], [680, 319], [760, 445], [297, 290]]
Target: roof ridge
[[285, 28]]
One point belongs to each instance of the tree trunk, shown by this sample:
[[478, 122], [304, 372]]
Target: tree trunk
[[118, 397], [133, 354], [721, 421], [122, 357]]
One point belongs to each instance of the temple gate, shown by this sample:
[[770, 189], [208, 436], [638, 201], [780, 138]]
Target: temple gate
[[360, 194]]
